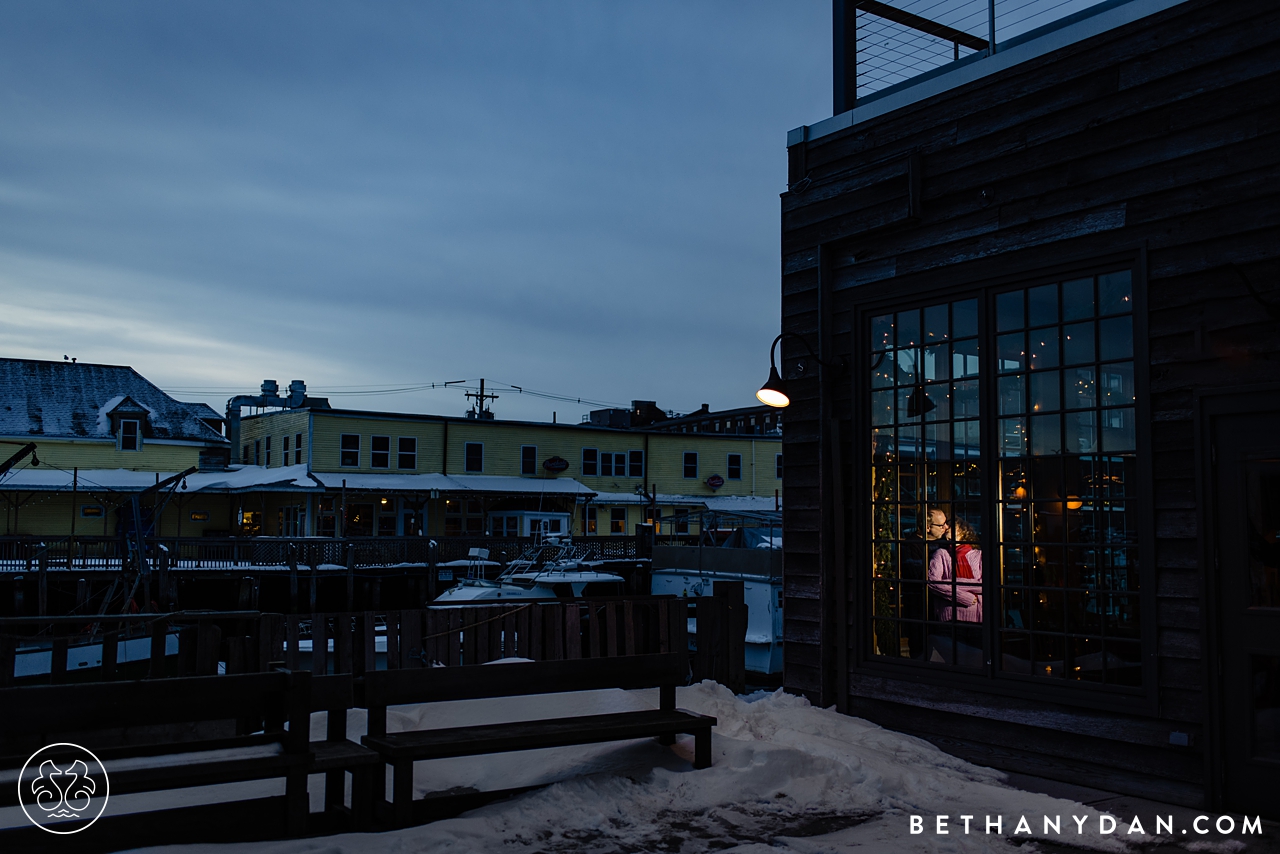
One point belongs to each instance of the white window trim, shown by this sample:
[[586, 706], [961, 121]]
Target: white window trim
[[342, 450], [387, 467], [400, 439], [683, 465], [137, 426], [466, 470]]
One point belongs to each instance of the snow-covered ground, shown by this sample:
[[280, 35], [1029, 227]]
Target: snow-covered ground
[[787, 776]]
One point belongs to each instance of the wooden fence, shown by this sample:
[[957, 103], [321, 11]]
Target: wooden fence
[[357, 642], [27, 554]]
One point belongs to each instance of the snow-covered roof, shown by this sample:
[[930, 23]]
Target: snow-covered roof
[[74, 400], [636, 498], [236, 479], [391, 482], [740, 503], [521, 485]]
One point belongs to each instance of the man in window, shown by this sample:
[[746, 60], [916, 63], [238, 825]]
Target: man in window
[[954, 578]]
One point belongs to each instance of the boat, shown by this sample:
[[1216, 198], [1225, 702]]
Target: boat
[[553, 568]]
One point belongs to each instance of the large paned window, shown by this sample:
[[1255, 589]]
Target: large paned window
[[349, 450], [406, 452], [1040, 406]]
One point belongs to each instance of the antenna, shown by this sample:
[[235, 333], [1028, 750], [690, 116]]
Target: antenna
[[479, 411]]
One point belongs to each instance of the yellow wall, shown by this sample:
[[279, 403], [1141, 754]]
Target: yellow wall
[[95, 454], [50, 513], [277, 425]]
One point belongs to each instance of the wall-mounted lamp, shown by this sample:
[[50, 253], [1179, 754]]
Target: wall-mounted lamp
[[774, 391]]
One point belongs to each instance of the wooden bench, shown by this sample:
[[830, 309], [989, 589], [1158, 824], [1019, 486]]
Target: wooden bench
[[399, 687], [170, 733], [337, 755]]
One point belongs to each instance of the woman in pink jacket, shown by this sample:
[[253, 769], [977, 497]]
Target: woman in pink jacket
[[956, 583]]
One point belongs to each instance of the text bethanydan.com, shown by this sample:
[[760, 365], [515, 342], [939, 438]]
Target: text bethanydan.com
[[944, 825]]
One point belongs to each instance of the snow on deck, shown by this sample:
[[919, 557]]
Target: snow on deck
[[787, 776]]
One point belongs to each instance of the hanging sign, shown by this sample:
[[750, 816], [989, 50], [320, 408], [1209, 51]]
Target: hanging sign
[[715, 481], [555, 464]]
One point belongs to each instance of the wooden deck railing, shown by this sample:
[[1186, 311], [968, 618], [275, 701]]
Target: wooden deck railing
[[357, 642]]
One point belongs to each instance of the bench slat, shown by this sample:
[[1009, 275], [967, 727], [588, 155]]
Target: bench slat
[[527, 735], [393, 687]]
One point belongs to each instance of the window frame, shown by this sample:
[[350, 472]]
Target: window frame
[[343, 450], [401, 453], [267, 452], [284, 451], [614, 514], [880, 299], [466, 457], [685, 465], [380, 458], [635, 463], [297, 449], [133, 436], [729, 467], [777, 466], [528, 460]]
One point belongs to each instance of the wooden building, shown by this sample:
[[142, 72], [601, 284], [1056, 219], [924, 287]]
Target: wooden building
[[398, 474], [1033, 519]]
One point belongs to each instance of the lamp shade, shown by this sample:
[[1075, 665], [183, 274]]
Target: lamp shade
[[773, 392]]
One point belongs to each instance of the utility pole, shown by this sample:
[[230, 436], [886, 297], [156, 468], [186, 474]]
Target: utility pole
[[481, 413]]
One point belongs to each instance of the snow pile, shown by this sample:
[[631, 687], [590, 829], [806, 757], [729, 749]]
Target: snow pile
[[785, 775]]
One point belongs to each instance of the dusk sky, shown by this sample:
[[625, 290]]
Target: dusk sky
[[579, 197]]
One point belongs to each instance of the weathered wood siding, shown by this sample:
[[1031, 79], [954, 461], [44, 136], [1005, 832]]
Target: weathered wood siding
[[1158, 141]]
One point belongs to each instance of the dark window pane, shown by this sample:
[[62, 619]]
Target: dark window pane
[[882, 369], [1013, 437], [964, 319], [1015, 567], [1077, 299], [1077, 343], [1015, 527], [907, 366], [1122, 563], [1043, 348], [1042, 305], [883, 446], [1015, 652], [1082, 433], [882, 332], [1122, 616], [1049, 655], [1011, 352], [1262, 525], [1117, 430], [1082, 566], [1044, 391], [1080, 391], [882, 407], [964, 401], [964, 359], [1046, 435], [1014, 481], [1085, 659], [1082, 613], [1115, 338], [1009, 311], [966, 440], [936, 361], [909, 328], [1013, 395], [1115, 381], [1114, 293], [1046, 479], [935, 323], [1047, 566], [884, 483], [939, 397]]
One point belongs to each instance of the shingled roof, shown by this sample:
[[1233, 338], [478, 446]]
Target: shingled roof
[[73, 400]]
